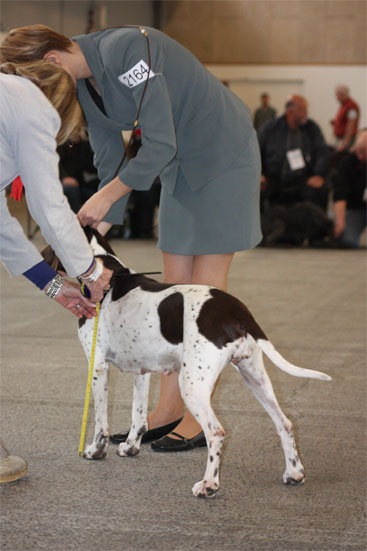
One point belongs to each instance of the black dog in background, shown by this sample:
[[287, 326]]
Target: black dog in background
[[298, 225]]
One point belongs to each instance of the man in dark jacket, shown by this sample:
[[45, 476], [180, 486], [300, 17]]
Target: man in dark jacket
[[350, 194], [295, 158]]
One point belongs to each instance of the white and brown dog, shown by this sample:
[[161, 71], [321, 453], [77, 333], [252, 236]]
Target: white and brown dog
[[149, 327]]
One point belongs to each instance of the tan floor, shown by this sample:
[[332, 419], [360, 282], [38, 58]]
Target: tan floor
[[311, 304]]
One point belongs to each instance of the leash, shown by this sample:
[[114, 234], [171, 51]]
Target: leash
[[116, 274], [89, 383]]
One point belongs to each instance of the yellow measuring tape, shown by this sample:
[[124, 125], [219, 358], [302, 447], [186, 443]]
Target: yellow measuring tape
[[89, 383]]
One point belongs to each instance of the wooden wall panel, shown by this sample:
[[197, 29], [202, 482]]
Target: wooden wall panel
[[270, 31]]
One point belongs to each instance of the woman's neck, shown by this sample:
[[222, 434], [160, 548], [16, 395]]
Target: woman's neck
[[77, 62]]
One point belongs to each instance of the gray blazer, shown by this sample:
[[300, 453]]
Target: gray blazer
[[188, 117]]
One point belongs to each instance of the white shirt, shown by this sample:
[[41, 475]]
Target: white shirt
[[28, 127]]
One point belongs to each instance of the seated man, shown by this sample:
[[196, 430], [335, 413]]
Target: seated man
[[350, 194], [295, 158]]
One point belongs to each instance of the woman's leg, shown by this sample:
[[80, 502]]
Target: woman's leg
[[212, 269], [170, 407], [201, 270]]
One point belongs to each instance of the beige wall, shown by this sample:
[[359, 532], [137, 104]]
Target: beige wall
[[70, 17], [270, 31], [222, 31]]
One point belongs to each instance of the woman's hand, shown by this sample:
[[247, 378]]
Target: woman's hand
[[316, 181], [100, 285], [71, 298], [95, 209]]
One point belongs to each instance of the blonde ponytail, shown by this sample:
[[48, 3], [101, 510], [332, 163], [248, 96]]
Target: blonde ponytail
[[58, 87]]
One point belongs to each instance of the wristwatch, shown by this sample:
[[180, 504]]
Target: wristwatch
[[55, 286]]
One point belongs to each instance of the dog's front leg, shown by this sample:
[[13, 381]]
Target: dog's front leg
[[139, 424], [98, 448]]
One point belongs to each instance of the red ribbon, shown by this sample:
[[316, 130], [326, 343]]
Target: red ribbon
[[16, 189]]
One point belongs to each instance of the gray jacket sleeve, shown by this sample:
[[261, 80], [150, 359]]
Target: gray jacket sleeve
[[108, 148], [158, 137], [156, 120]]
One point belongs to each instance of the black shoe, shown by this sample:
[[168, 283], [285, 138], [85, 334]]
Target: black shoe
[[149, 436], [167, 444]]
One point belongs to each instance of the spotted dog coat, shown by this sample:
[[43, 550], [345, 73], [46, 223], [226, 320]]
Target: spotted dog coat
[[148, 327]]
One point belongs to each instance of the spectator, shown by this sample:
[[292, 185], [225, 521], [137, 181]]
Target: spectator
[[350, 194], [295, 158], [346, 120], [141, 207], [264, 113], [78, 175]]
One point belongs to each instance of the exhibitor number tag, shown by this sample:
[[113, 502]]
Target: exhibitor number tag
[[137, 74]]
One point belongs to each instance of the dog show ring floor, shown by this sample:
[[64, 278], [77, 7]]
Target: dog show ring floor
[[311, 305]]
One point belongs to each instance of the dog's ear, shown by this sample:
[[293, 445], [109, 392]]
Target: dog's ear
[[51, 259], [88, 232], [102, 241]]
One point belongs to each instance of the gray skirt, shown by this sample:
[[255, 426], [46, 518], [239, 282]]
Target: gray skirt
[[221, 217]]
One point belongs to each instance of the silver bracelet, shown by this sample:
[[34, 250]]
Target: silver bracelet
[[55, 286], [97, 272]]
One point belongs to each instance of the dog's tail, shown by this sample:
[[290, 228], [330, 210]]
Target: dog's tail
[[286, 366]]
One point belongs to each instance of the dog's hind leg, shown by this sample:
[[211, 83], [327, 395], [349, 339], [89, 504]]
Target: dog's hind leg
[[98, 448], [253, 372], [196, 384], [139, 424]]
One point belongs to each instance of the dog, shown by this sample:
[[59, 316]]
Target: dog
[[297, 225], [149, 327]]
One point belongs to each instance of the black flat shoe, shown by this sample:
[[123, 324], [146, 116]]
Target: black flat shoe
[[167, 444], [149, 436]]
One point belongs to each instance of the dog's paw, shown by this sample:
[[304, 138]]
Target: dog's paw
[[294, 478], [91, 452], [127, 450], [98, 449], [205, 489]]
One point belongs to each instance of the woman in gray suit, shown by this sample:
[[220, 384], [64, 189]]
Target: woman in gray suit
[[197, 136]]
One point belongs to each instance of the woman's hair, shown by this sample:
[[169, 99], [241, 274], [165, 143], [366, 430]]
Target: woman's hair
[[32, 43], [58, 87]]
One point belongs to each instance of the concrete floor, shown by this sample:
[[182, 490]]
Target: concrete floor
[[311, 304]]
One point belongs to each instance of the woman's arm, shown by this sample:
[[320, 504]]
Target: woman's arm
[[34, 149]]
